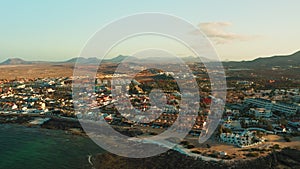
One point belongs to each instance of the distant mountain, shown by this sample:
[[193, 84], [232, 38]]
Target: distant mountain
[[15, 61], [117, 59], [292, 60], [267, 62], [195, 59], [120, 58], [95, 60], [82, 60]]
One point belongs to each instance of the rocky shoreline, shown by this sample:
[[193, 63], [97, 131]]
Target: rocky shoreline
[[70, 125], [286, 158]]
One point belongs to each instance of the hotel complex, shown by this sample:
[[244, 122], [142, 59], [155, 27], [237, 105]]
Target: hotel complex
[[287, 109]]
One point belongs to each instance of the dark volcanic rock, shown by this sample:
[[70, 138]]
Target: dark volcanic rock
[[62, 124]]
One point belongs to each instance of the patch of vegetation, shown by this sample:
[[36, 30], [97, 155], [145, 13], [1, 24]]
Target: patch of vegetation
[[213, 155], [208, 146], [244, 150], [196, 152], [227, 157], [252, 154], [190, 146], [184, 142], [276, 146], [287, 139]]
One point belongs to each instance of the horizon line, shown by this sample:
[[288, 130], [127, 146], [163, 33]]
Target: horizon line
[[67, 59]]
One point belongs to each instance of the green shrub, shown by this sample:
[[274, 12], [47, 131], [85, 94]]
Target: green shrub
[[190, 146], [287, 139], [184, 142], [196, 152], [213, 155], [252, 154], [276, 146]]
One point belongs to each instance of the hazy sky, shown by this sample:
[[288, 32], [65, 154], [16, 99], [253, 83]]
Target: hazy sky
[[57, 30]]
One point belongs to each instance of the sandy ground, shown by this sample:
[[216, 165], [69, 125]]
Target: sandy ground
[[35, 71], [274, 139], [11, 72], [240, 153]]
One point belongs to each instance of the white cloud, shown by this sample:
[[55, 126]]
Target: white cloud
[[217, 32]]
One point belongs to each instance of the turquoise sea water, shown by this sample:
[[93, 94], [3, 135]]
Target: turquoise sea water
[[35, 148]]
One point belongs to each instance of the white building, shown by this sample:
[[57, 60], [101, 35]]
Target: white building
[[241, 140], [261, 112]]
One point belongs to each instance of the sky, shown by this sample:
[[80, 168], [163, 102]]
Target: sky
[[58, 30]]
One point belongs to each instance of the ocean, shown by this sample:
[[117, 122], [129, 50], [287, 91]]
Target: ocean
[[36, 148]]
